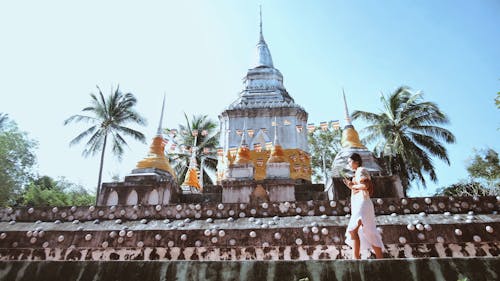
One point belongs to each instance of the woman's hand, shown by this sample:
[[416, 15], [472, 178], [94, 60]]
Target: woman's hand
[[348, 183]]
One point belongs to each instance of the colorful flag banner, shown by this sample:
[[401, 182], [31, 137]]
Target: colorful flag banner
[[311, 127], [323, 125], [233, 150], [269, 145], [336, 124], [257, 147], [250, 132]]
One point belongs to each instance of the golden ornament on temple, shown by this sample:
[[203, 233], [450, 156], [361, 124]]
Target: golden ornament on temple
[[156, 157], [191, 178], [350, 138]]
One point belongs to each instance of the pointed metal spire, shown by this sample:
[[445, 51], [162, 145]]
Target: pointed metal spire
[[243, 139], [276, 140], [263, 54], [261, 36], [347, 116], [159, 131]]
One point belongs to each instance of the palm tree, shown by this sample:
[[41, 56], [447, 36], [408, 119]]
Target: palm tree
[[108, 117], [408, 133], [199, 133]]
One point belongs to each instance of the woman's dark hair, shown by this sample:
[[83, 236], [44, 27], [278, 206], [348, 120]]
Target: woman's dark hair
[[357, 158]]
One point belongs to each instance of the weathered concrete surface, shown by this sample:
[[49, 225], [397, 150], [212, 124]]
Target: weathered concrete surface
[[476, 269]]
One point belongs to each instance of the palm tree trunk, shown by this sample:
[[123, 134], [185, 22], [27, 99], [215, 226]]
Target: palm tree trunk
[[100, 169]]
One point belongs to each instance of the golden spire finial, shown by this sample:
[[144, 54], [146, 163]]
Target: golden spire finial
[[350, 137], [277, 154], [156, 157], [243, 156]]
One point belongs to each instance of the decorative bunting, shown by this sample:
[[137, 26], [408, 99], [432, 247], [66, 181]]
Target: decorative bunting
[[233, 150], [336, 124], [311, 127], [324, 126], [257, 147], [269, 145]]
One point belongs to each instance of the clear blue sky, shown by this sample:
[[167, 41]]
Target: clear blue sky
[[53, 53]]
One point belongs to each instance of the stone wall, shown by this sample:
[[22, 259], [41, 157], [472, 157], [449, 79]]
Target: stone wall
[[477, 269]]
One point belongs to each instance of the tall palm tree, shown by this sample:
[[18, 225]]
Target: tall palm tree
[[408, 134], [199, 132], [109, 117]]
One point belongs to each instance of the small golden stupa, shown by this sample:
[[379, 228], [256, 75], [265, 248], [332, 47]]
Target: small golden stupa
[[191, 178], [277, 154], [156, 157], [350, 137], [243, 156]]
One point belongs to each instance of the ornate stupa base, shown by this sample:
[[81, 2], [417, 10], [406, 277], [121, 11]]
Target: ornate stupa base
[[149, 186], [240, 172], [278, 170]]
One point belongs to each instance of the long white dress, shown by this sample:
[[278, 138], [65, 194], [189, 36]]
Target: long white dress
[[362, 210]]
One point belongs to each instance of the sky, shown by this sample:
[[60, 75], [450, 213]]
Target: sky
[[54, 53]]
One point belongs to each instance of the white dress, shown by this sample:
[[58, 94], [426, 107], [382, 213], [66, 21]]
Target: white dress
[[362, 210]]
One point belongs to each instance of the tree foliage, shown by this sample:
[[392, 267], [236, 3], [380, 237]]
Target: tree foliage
[[408, 134], [484, 176], [108, 117], [207, 140], [323, 146], [485, 165], [17, 158], [45, 191]]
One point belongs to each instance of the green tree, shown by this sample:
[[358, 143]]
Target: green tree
[[484, 176], [485, 165], [323, 146], [45, 191], [200, 133], [17, 158], [109, 117], [408, 134]]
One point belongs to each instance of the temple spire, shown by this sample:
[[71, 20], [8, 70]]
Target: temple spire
[[160, 129], [347, 116], [261, 36], [264, 58], [276, 140]]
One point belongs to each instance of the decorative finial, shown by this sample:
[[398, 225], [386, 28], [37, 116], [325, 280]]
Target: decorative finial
[[276, 141], [243, 140], [159, 132], [347, 116], [261, 36]]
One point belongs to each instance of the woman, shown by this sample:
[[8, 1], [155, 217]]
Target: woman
[[362, 232]]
